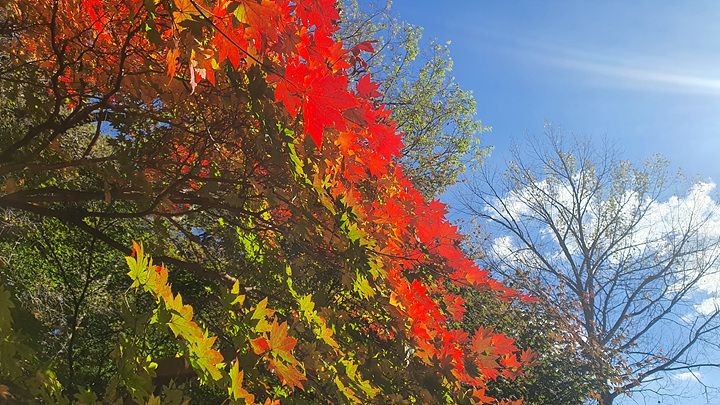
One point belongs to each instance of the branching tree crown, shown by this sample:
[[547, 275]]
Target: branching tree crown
[[630, 266]]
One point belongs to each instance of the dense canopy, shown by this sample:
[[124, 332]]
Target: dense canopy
[[228, 138]]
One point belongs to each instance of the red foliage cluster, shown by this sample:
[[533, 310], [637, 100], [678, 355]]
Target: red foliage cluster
[[357, 149]]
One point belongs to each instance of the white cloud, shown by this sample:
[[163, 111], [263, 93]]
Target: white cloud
[[687, 376], [708, 305], [503, 246], [653, 236]]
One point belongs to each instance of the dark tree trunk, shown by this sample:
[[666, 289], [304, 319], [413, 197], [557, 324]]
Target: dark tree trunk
[[607, 398]]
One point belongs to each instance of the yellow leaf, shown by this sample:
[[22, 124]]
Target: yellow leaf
[[172, 57], [185, 11], [236, 389], [262, 311], [289, 375], [4, 392], [326, 335]]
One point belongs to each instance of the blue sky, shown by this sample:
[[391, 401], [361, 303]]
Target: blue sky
[[644, 74]]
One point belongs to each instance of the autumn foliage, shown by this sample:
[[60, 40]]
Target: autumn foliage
[[250, 109]]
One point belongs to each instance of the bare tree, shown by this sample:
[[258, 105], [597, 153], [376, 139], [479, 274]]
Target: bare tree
[[614, 251]]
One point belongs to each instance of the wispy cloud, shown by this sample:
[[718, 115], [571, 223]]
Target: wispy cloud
[[640, 76], [603, 67]]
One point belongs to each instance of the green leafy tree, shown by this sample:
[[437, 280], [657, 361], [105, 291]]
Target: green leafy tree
[[441, 131], [556, 373]]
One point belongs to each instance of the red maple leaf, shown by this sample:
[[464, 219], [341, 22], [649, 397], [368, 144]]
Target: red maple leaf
[[260, 345], [319, 13], [367, 88], [481, 341], [322, 97], [261, 17], [365, 46], [510, 361], [324, 104], [455, 305], [503, 344]]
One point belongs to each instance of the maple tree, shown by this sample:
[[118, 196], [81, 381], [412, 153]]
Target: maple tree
[[230, 137]]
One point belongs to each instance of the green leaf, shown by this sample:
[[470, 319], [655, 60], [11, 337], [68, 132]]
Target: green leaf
[[362, 286], [5, 306]]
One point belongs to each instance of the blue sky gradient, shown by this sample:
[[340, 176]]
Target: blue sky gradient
[[643, 74]]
